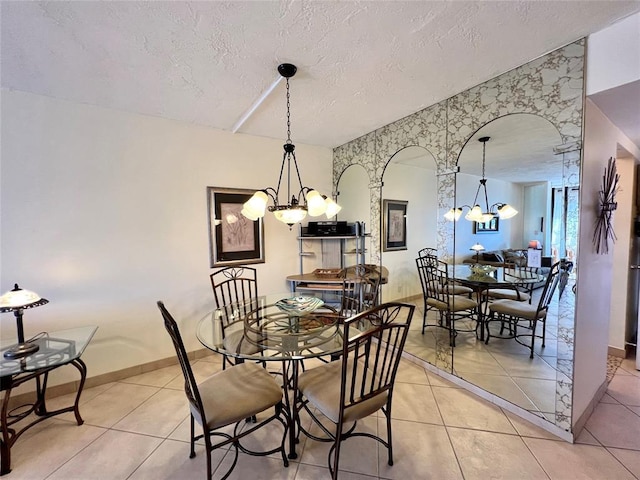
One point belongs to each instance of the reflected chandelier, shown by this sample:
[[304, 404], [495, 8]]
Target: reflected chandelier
[[476, 213], [307, 200]]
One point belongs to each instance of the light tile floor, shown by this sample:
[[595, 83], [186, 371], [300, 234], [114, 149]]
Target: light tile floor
[[500, 367], [138, 429]]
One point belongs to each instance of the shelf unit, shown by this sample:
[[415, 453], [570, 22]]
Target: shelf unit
[[334, 252]]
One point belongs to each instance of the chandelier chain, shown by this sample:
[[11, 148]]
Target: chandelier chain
[[484, 146], [288, 115]]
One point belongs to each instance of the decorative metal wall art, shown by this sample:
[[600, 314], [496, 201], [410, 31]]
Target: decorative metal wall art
[[607, 204]]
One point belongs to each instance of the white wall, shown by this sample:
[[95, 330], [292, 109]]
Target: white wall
[[105, 212], [418, 187], [623, 226], [614, 56], [595, 274], [510, 231]]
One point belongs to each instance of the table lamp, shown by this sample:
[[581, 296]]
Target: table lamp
[[16, 301], [477, 248]]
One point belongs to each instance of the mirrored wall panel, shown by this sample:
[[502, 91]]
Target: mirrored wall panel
[[532, 117], [521, 169]]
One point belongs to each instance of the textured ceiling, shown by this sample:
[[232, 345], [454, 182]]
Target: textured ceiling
[[361, 65]]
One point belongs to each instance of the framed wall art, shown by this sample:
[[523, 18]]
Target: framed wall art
[[233, 238], [394, 227], [492, 226]]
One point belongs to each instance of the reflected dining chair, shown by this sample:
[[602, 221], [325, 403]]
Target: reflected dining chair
[[440, 293], [228, 397], [234, 288], [361, 382], [512, 312], [428, 252], [520, 291], [565, 272]]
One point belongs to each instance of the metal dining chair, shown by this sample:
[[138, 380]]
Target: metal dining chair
[[235, 290], [511, 313], [226, 398], [361, 382], [360, 289]]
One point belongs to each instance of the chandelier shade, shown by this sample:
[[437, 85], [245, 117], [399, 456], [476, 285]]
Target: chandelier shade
[[17, 300], [332, 207], [476, 213], [298, 205]]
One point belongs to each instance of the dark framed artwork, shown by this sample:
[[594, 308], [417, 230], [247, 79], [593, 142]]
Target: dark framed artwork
[[394, 225], [233, 238], [492, 226]]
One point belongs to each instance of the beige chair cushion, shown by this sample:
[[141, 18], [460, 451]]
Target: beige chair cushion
[[508, 294], [517, 309], [456, 303], [321, 386], [237, 393], [236, 342], [453, 289]]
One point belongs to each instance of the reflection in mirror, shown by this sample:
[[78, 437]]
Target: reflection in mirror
[[353, 195], [410, 176], [522, 170]]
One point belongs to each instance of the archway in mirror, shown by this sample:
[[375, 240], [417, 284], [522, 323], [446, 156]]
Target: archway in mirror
[[409, 181], [409, 176], [522, 170], [353, 195], [354, 198]]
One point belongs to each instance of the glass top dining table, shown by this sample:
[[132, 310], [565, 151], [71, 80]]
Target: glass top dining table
[[268, 328], [496, 277], [492, 278], [265, 329]]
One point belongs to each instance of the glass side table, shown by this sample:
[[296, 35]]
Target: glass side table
[[57, 349]]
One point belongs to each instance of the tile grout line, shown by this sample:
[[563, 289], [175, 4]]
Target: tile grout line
[[79, 451], [145, 459], [535, 457], [453, 449], [446, 429], [620, 462]]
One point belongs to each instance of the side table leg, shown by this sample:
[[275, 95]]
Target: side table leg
[[80, 365], [5, 451], [6, 440], [9, 435]]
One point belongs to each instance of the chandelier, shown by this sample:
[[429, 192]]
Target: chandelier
[[307, 199], [477, 213]]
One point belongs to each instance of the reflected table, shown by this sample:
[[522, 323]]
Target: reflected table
[[268, 333], [499, 277], [56, 349]]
